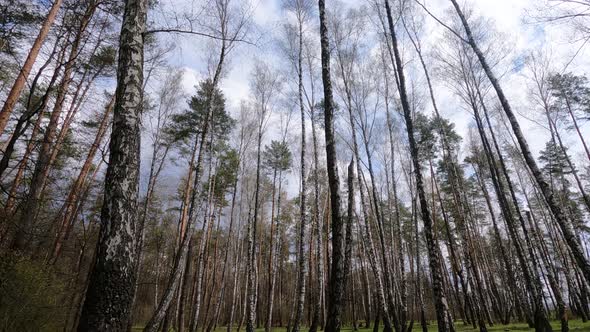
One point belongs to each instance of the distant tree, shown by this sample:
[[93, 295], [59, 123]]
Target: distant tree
[[554, 163], [187, 125], [277, 157], [572, 97], [553, 160]]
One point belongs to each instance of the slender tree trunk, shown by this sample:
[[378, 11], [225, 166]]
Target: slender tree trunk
[[382, 291], [349, 222], [403, 293], [252, 289], [503, 255], [302, 270], [226, 255], [541, 319], [66, 214], [232, 305], [317, 314], [270, 294], [389, 310], [156, 165], [202, 255], [553, 278], [182, 288], [418, 286]]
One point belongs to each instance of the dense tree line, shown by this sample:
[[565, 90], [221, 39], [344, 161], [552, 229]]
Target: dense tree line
[[338, 191]]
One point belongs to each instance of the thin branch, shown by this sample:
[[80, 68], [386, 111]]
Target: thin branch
[[202, 34], [441, 22]]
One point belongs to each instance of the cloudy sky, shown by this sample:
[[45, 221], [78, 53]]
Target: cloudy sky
[[512, 18]]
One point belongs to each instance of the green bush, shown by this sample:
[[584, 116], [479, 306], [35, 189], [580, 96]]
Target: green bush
[[31, 296]]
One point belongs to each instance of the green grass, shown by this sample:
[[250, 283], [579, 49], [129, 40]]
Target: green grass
[[574, 325]]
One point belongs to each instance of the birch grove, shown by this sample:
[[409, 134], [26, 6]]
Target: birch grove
[[294, 165]]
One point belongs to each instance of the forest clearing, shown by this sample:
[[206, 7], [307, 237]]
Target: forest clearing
[[289, 165]]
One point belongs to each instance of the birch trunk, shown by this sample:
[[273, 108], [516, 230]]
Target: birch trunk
[[336, 285], [110, 291]]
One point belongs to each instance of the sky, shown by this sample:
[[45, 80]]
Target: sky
[[510, 17]]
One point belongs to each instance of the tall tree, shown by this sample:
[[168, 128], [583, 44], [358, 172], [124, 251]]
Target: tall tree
[[441, 305], [278, 159], [337, 273], [302, 10], [110, 289], [265, 86]]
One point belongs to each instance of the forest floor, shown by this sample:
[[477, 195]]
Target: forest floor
[[574, 325]]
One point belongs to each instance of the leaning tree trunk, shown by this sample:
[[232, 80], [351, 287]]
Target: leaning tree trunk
[[530, 278], [21, 79], [24, 121], [110, 290], [336, 286], [64, 219], [557, 211], [43, 164], [444, 324], [541, 319], [40, 110]]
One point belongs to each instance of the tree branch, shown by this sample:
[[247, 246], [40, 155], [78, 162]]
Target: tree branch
[[202, 34]]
